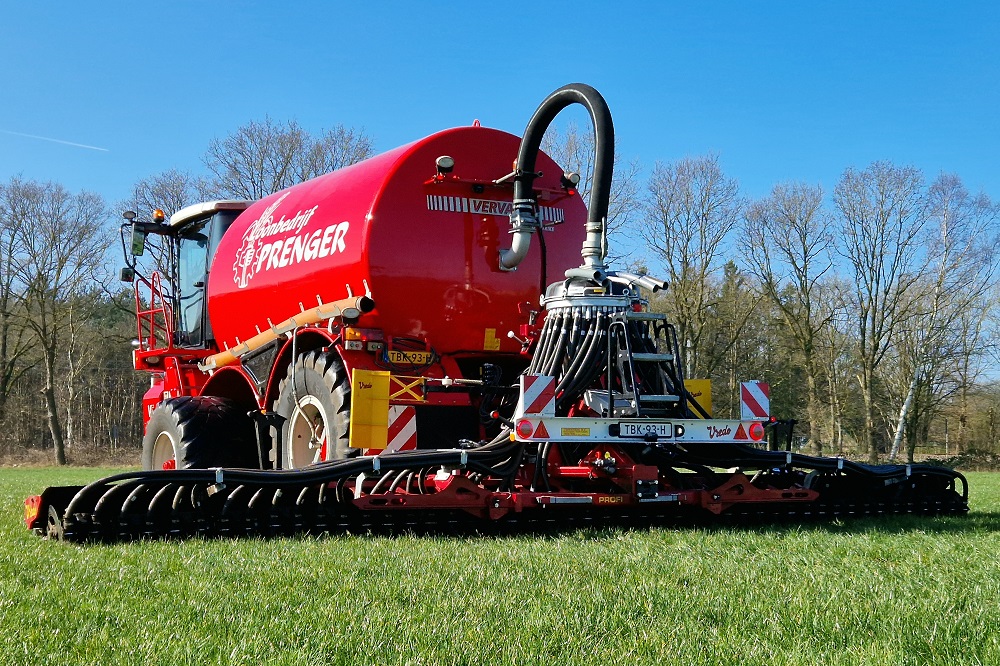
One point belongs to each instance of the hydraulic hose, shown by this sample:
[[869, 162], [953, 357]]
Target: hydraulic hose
[[523, 219]]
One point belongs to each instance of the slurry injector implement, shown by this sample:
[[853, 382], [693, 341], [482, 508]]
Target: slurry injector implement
[[369, 348]]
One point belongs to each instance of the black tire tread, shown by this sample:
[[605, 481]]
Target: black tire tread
[[322, 375], [210, 431]]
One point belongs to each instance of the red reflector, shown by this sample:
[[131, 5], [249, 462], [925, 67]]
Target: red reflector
[[170, 464], [757, 432], [524, 428], [32, 509]]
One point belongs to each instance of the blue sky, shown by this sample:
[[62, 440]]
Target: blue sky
[[780, 91]]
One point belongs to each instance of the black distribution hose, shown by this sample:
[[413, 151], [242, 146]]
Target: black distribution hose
[[546, 341], [562, 330], [406, 473], [748, 457], [381, 482], [578, 356], [587, 366], [604, 149], [498, 452], [565, 330]]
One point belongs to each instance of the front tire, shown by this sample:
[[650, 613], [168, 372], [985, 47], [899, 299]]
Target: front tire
[[195, 432], [317, 411]]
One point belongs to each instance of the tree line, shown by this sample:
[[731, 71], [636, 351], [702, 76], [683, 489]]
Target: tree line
[[871, 309], [871, 312]]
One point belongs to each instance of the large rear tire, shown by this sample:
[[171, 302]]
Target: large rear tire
[[198, 432], [317, 410]]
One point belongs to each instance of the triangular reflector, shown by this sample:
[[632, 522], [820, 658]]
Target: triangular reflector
[[540, 431], [740, 433]]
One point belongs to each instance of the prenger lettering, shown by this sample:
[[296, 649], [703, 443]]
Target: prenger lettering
[[302, 247]]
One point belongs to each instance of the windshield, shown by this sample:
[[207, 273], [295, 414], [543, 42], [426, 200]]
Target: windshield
[[192, 271], [196, 245]]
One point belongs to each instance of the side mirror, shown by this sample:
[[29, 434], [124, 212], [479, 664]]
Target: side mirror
[[138, 241], [128, 274]]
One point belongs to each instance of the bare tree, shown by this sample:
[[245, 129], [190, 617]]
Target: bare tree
[[15, 344], [168, 191], [882, 217], [573, 150], [690, 214], [788, 244], [836, 345], [976, 339], [62, 241], [960, 247], [334, 149], [263, 157]]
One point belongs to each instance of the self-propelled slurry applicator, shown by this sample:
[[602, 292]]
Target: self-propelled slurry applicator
[[415, 340]]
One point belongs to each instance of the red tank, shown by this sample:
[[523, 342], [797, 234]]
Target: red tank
[[424, 243]]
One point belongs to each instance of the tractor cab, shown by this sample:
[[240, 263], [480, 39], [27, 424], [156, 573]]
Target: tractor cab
[[174, 315]]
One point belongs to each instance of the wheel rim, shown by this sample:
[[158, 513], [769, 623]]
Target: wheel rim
[[163, 452], [307, 434]]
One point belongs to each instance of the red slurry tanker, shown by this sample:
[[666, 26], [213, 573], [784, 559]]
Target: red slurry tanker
[[432, 336]]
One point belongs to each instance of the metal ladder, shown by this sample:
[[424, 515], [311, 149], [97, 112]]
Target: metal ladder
[[642, 365]]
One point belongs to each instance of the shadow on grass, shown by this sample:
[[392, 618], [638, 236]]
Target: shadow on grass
[[890, 524], [606, 527], [603, 527]]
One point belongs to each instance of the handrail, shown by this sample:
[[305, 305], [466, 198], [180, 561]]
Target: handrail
[[155, 323]]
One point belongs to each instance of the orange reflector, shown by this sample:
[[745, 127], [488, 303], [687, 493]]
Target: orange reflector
[[757, 432], [364, 334], [32, 509]]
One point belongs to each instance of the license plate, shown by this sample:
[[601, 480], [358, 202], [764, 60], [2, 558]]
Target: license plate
[[643, 428], [408, 358]]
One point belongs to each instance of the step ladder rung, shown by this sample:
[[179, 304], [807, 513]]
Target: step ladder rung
[[652, 358], [659, 398], [645, 316]]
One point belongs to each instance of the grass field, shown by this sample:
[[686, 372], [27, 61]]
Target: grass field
[[874, 591]]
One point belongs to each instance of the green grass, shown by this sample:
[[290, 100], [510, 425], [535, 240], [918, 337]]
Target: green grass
[[875, 591]]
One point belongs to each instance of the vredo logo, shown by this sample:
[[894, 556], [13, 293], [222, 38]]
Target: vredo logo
[[270, 244], [715, 433]]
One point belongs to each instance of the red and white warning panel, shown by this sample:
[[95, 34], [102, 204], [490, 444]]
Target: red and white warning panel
[[755, 400], [538, 395], [402, 434]]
